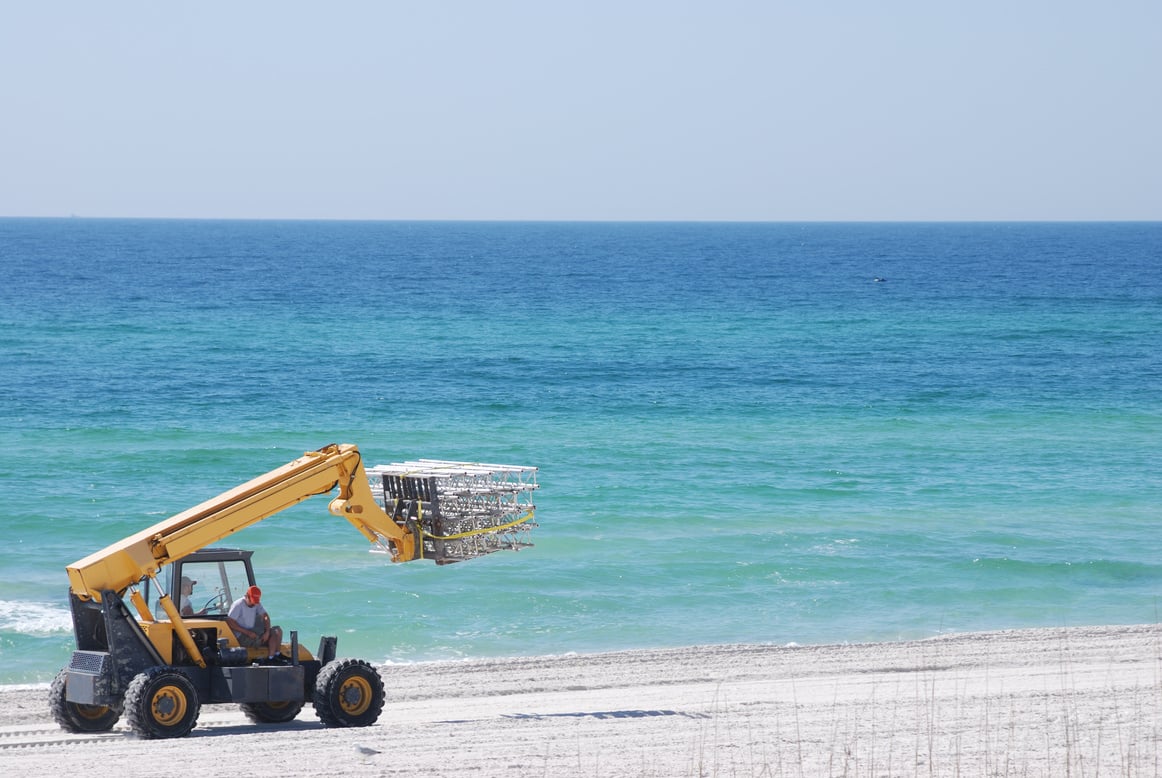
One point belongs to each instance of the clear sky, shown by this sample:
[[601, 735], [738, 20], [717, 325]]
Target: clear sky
[[713, 110]]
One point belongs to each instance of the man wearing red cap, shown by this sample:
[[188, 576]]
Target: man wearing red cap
[[251, 623]]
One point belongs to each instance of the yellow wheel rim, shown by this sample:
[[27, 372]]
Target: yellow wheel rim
[[355, 696], [168, 705], [91, 712]]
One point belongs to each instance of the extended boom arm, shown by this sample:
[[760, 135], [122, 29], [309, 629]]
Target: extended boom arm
[[316, 472]]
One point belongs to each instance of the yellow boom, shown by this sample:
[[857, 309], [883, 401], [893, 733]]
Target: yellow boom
[[316, 472]]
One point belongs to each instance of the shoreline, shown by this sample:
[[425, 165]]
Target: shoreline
[[1046, 701]]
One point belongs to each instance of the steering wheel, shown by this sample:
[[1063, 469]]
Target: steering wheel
[[216, 602]]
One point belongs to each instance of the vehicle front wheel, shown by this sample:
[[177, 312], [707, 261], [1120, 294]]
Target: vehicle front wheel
[[161, 703], [349, 693], [75, 716]]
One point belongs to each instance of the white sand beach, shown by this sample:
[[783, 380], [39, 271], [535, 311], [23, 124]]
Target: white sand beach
[[1045, 702]]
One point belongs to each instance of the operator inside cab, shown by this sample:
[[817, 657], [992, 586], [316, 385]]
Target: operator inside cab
[[251, 623], [187, 607]]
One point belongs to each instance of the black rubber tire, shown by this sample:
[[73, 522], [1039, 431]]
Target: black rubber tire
[[271, 712], [161, 703], [76, 717], [349, 693]]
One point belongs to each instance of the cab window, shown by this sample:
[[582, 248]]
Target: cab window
[[206, 588]]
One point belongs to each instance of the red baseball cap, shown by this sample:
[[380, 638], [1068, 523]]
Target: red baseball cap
[[254, 594]]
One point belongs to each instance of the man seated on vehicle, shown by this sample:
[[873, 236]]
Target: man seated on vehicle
[[251, 623], [187, 592]]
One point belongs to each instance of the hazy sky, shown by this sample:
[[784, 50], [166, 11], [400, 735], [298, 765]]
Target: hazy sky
[[719, 110]]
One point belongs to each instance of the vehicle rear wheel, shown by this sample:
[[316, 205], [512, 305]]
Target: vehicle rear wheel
[[161, 703], [78, 717], [349, 693], [271, 712]]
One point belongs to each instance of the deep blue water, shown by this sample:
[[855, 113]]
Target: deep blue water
[[741, 434]]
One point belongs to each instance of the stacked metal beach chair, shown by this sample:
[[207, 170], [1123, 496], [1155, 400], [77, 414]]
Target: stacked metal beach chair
[[461, 510]]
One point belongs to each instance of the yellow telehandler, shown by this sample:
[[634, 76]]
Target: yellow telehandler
[[139, 655]]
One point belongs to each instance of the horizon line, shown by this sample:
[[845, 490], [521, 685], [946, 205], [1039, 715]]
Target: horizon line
[[441, 220]]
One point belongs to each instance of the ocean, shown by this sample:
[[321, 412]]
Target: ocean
[[772, 433]]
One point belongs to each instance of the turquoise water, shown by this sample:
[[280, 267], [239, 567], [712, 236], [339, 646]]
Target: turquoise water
[[741, 434]]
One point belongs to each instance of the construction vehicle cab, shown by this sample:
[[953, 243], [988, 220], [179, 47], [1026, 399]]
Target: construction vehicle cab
[[149, 612], [208, 581], [215, 578]]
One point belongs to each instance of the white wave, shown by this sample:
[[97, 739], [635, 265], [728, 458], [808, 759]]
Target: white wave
[[34, 618]]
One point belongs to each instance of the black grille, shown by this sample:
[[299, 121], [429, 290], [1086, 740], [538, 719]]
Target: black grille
[[89, 661]]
